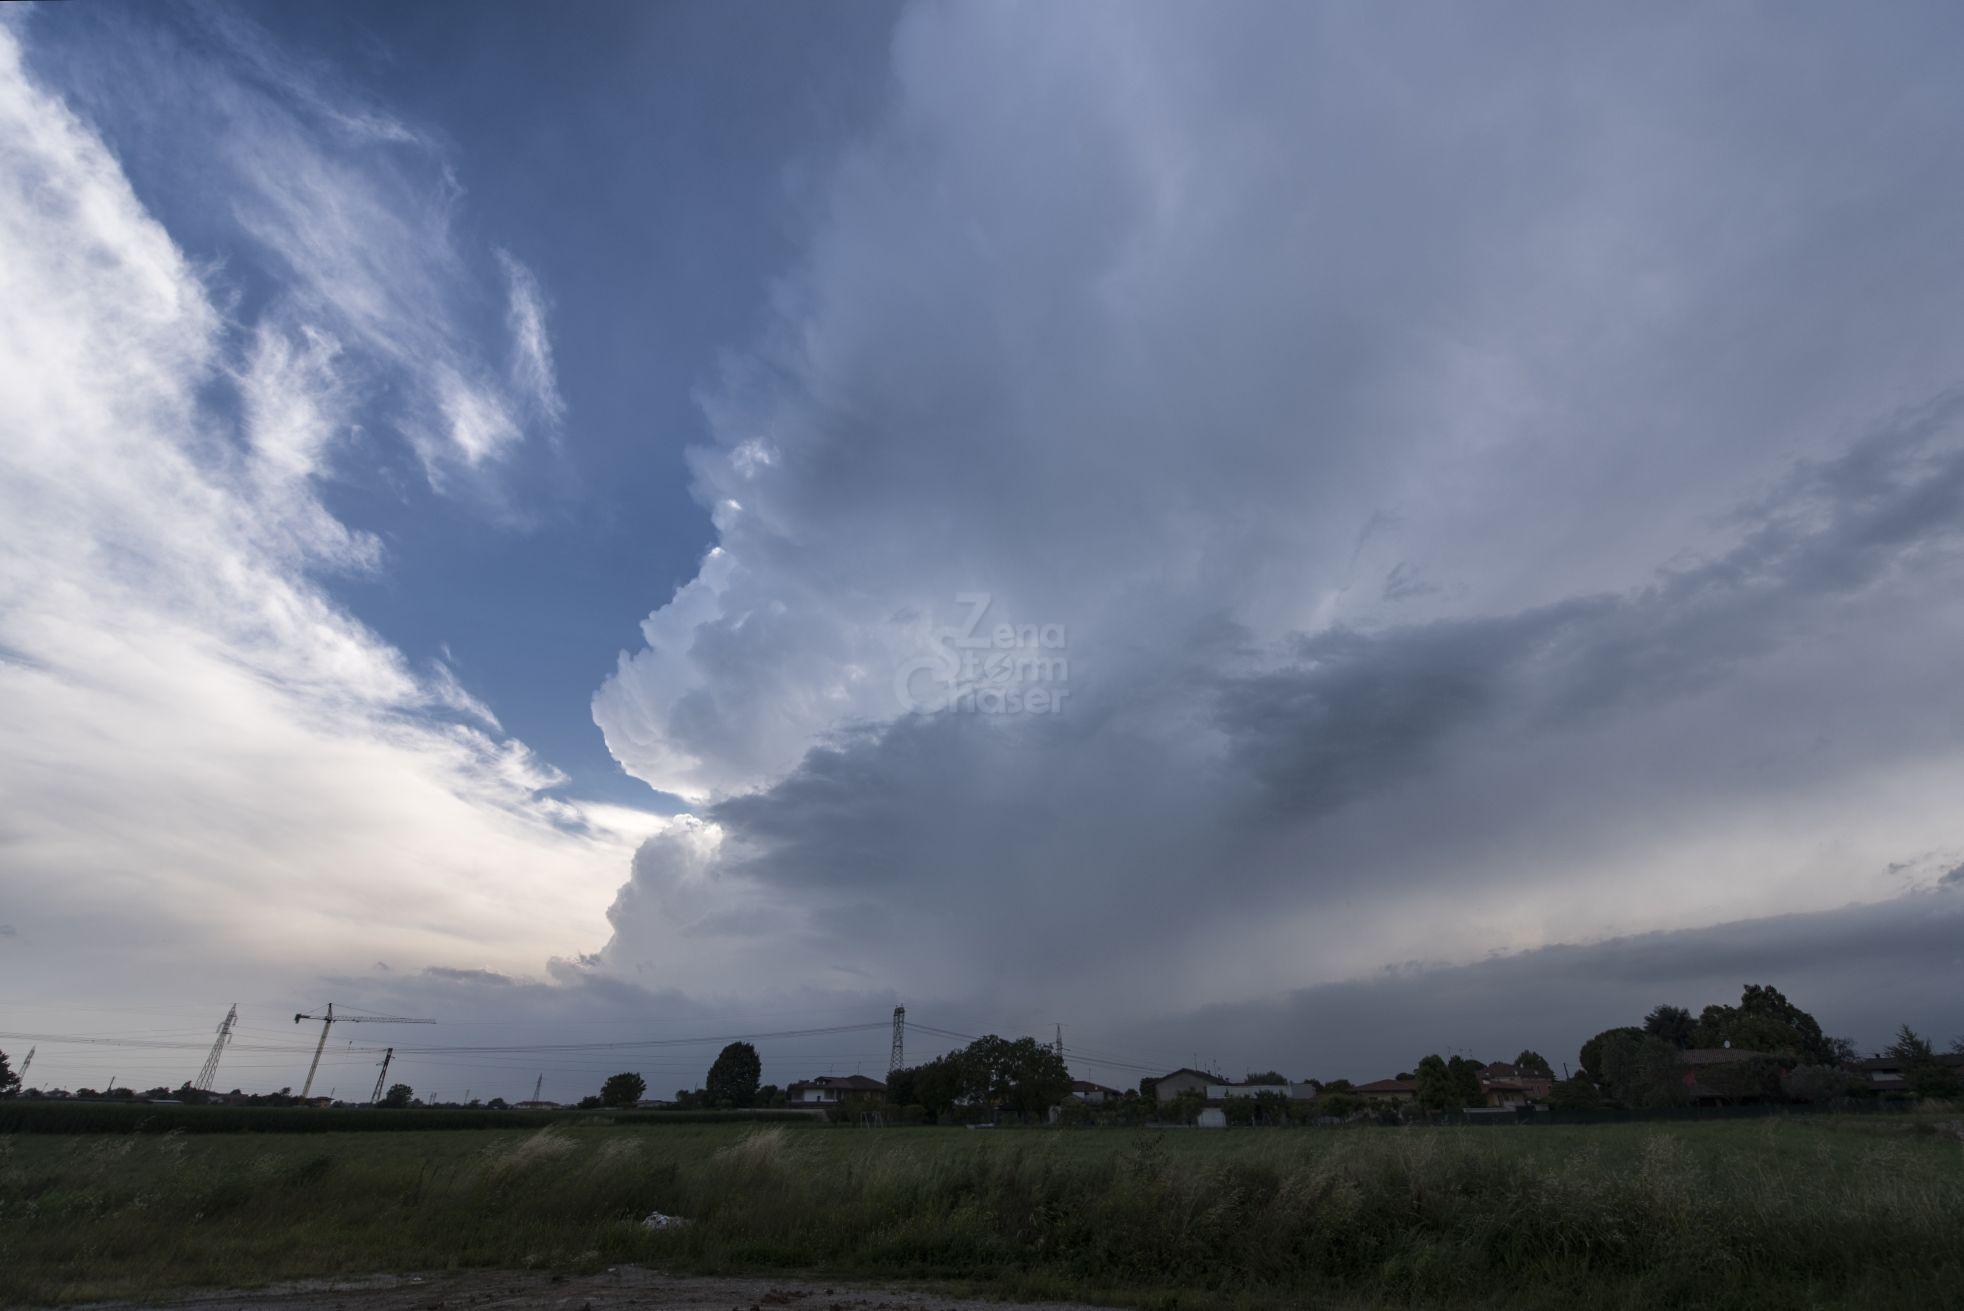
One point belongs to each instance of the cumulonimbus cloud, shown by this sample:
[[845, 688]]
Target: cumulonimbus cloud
[[1203, 347]]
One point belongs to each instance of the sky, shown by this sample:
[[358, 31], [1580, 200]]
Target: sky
[[1266, 536]]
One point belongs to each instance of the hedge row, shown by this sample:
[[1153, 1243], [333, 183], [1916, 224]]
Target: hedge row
[[18, 1116]]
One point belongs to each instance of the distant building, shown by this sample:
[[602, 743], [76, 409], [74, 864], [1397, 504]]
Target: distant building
[[830, 1089], [1168, 1086], [1388, 1090], [1887, 1074], [532, 1104], [1093, 1094]]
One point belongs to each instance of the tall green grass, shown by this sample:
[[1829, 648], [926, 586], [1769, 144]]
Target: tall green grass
[[1774, 1213]]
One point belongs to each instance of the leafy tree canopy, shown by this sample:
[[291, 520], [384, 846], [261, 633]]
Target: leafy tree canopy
[[622, 1089], [399, 1096], [734, 1075], [1592, 1057], [1671, 1023], [1532, 1064]]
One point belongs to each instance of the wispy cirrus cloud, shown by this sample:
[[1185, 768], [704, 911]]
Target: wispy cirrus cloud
[[203, 753]]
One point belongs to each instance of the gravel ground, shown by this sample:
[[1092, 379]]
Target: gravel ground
[[622, 1286]]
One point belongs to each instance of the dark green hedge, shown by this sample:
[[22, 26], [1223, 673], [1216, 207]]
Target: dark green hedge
[[17, 1116]]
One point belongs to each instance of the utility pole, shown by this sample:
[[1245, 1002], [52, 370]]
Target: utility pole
[[328, 1019], [375, 1099], [1058, 1046], [896, 1059], [210, 1071]]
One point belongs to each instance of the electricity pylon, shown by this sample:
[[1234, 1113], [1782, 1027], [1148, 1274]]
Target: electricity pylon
[[210, 1071], [23, 1067], [328, 1020], [375, 1098], [896, 1059], [537, 1084]]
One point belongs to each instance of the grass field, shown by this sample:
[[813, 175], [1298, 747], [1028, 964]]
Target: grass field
[[1780, 1212]]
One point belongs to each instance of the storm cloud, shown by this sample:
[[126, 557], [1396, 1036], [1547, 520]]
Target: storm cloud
[[1480, 512]]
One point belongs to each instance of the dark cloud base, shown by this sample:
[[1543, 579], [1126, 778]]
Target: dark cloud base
[[1862, 970]]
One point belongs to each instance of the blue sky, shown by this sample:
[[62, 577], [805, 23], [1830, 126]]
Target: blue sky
[[655, 203], [1215, 527]]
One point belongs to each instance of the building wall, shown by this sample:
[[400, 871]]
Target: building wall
[[1175, 1084]]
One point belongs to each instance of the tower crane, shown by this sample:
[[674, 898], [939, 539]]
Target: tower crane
[[328, 1020]]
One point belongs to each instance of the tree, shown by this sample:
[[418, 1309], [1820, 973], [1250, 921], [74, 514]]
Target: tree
[[1640, 1070], [1574, 1094], [1024, 1076], [497, 1104], [1438, 1089], [1911, 1048], [622, 1089], [1926, 1075], [1465, 1075], [1591, 1057], [1764, 1021], [1266, 1078], [9, 1081], [1532, 1065], [939, 1084], [734, 1075], [399, 1096], [1671, 1023]]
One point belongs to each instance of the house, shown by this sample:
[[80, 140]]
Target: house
[[1388, 1090], [1509, 1093], [1888, 1074], [1093, 1094], [1168, 1086], [831, 1089]]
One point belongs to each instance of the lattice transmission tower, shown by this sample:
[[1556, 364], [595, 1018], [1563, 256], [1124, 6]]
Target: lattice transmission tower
[[209, 1070], [897, 1058]]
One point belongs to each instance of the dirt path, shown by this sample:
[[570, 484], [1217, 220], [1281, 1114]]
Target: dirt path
[[620, 1287]]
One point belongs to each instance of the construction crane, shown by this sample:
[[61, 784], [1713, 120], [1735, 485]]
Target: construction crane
[[328, 1020], [375, 1098], [210, 1071]]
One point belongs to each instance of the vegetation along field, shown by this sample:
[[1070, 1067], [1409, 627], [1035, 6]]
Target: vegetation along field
[[1800, 1211]]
